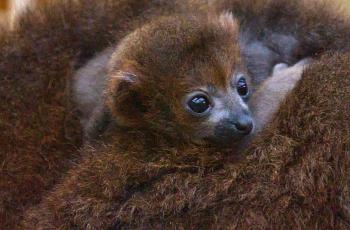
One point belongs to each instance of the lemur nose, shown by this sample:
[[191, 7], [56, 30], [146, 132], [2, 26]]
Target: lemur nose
[[244, 124]]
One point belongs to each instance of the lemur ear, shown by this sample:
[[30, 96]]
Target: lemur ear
[[124, 98]]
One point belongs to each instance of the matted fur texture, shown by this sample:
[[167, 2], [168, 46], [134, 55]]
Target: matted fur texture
[[296, 173], [39, 133]]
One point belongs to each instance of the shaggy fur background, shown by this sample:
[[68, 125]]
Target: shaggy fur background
[[296, 174]]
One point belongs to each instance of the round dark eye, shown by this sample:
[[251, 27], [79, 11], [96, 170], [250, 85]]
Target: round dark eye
[[199, 104], [242, 87]]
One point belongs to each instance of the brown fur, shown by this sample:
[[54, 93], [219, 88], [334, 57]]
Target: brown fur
[[152, 176], [151, 72], [290, 178], [39, 133], [295, 174]]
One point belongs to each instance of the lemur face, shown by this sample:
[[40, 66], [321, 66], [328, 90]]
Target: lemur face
[[183, 77], [223, 111]]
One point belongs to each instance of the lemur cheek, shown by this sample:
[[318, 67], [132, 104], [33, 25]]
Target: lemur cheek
[[204, 131]]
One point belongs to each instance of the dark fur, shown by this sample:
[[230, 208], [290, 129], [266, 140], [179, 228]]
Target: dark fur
[[39, 132], [274, 31]]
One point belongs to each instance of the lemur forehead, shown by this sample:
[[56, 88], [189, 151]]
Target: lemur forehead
[[185, 34], [212, 89]]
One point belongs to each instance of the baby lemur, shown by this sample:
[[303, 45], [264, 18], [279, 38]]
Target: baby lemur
[[270, 32], [196, 87], [221, 109]]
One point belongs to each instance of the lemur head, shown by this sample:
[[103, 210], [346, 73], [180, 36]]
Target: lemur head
[[182, 77]]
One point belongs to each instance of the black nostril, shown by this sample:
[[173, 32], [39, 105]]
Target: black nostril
[[245, 125]]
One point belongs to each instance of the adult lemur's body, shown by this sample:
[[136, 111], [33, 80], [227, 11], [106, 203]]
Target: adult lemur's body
[[161, 164], [296, 175]]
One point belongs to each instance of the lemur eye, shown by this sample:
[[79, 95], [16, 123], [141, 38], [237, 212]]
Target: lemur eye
[[242, 87], [199, 104]]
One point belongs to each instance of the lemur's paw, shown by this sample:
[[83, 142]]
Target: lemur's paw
[[294, 71]]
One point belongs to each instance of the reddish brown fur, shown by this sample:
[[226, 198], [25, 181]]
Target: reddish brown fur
[[295, 174], [39, 133], [152, 125], [171, 57]]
